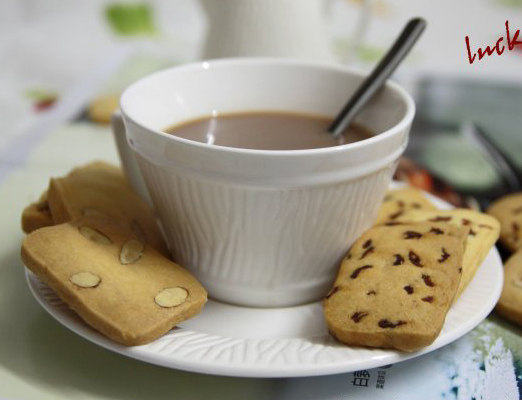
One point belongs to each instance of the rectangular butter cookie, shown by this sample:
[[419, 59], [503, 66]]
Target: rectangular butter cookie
[[99, 188], [398, 201], [116, 283], [395, 286], [483, 233], [37, 215]]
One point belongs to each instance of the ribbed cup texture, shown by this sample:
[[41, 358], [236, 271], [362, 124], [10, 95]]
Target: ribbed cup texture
[[262, 240]]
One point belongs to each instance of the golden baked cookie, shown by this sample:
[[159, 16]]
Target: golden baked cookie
[[396, 285], [99, 188], [483, 233], [116, 283], [508, 210], [397, 202], [510, 303], [37, 215], [100, 110]]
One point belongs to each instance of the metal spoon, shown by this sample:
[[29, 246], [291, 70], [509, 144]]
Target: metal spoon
[[377, 78], [500, 161]]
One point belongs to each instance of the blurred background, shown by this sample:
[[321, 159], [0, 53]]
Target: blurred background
[[68, 61]]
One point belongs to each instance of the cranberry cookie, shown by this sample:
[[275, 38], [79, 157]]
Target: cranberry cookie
[[396, 285]]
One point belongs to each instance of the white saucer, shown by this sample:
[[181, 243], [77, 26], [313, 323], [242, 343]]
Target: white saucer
[[278, 342]]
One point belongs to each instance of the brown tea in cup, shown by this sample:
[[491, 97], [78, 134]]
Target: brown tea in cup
[[267, 130]]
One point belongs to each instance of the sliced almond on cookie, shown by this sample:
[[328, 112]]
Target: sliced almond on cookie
[[131, 251], [94, 234], [171, 297], [85, 279]]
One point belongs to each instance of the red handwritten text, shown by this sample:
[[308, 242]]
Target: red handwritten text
[[511, 42]]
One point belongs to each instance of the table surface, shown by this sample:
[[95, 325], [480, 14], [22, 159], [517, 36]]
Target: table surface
[[40, 359]]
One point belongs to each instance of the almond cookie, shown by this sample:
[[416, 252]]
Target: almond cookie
[[37, 215], [395, 286], [510, 303], [508, 210], [115, 282], [483, 233], [99, 188], [397, 202]]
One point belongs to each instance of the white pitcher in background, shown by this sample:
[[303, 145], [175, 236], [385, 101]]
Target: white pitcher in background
[[274, 28]]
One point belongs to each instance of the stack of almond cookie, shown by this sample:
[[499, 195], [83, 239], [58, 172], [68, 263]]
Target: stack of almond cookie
[[508, 210], [399, 279], [97, 245]]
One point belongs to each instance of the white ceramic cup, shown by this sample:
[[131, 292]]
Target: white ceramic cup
[[257, 227]]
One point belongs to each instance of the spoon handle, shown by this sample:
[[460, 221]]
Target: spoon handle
[[380, 73], [502, 163]]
